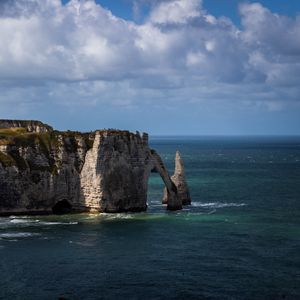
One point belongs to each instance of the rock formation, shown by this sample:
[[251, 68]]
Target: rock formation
[[179, 180], [45, 171], [30, 126]]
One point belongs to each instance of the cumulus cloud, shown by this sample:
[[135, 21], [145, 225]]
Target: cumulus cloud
[[177, 11], [273, 44], [180, 51]]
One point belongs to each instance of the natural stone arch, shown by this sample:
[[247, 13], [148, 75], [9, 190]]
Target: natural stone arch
[[115, 174], [103, 171], [173, 203]]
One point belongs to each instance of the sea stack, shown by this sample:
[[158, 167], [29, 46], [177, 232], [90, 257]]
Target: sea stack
[[179, 181]]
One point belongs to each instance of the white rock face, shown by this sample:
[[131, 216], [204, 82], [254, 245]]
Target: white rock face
[[179, 180], [105, 171], [91, 178], [172, 200], [30, 126], [115, 175]]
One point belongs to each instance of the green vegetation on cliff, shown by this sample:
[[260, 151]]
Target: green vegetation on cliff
[[46, 143], [19, 136], [47, 140], [28, 125], [6, 160]]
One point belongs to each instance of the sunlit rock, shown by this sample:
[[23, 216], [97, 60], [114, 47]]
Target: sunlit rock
[[179, 180], [46, 171]]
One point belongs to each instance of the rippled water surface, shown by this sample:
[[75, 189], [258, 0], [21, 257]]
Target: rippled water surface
[[239, 240]]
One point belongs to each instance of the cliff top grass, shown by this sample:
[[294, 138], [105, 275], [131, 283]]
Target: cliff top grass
[[15, 127], [21, 137], [119, 132], [26, 133], [47, 141], [7, 135], [14, 131], [6, 123]]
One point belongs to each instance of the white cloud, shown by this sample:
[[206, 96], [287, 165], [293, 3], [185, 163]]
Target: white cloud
[[181, 47], [177, 11]]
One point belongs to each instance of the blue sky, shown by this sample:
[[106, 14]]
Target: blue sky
[[222, 67], [228, 8]]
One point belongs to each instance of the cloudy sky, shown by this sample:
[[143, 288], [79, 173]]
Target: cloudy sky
[[162, 66]]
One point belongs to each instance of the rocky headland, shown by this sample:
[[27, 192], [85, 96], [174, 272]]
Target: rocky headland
[[47, 171]]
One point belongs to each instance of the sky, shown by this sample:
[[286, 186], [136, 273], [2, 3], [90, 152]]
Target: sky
[[166, 67]]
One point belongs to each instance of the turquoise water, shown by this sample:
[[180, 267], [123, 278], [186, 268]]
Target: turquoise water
[[239, 240]]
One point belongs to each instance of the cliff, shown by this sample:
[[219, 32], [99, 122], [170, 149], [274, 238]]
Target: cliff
[[29, 126], [45, 171]]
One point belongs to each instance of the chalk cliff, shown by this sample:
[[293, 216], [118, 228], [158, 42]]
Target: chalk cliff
[[45, 171]]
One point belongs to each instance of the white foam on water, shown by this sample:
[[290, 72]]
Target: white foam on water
[[117, 216], [14, 222], [14, 235], [217, 204], [19, 217], [23, 221], [152, 203], [58, 223], [84, 244]]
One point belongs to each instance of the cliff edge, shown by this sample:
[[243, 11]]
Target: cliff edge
[[43, 170]]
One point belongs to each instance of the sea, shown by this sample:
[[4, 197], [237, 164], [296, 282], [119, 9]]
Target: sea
[[240, 238]]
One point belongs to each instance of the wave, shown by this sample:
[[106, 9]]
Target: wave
[[19, 217], [217, 204], [14, 235], [17, 222], [84, 244], [23, 221], [117, 216], [58, 223]]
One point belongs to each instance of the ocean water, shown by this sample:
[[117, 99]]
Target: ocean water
[[240, 239]]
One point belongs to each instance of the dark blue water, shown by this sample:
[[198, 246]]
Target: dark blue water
[[239, 240]]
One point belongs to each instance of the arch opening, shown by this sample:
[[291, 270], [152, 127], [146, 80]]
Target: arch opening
[[62, 207], [155, 188], [172, 200]]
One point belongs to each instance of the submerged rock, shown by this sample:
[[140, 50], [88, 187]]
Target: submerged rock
[[179, 181], [46, 171]]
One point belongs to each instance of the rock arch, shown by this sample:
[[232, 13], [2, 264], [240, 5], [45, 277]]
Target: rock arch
[[115, 174], [103, 171], [173, 202]]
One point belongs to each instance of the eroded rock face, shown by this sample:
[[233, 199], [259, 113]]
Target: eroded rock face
[[172, 200], [30, 126], [35, 176], [179, 180], [115, 174], [44, 171]]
